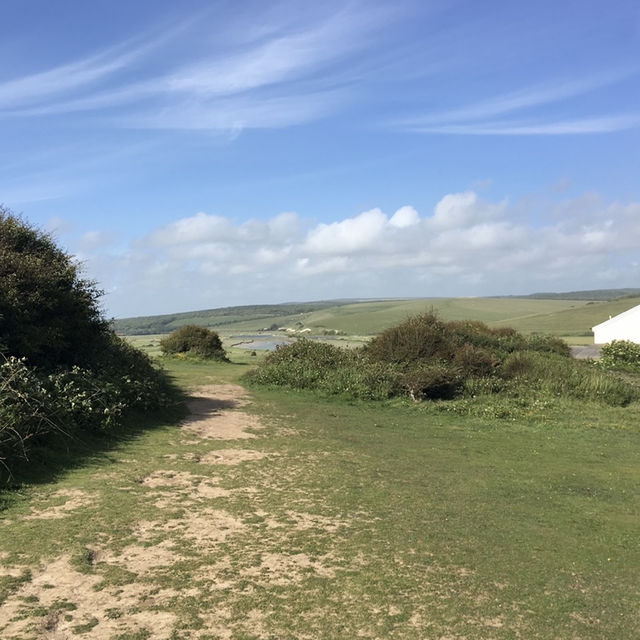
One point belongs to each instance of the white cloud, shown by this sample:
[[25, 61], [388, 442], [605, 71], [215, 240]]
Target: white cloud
[[352, 234], [460, 210], [404, 217], [199, 228], [466, 246]]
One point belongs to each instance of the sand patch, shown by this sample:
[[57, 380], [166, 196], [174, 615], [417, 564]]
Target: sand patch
[[192, 487], [222, 625], [205, 527], [141, 560], [231, 456], [168, 478], [305, 521], [12, 570], [73, 602], [74, 499], [282, 569], [214, 415]]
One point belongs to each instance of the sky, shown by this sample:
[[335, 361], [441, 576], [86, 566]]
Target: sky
[[203, 154]]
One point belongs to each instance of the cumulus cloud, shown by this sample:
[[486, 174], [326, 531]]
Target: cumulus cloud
[[404, 217], [347, 236], [463, 246]]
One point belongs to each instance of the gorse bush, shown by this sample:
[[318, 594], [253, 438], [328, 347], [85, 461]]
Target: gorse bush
[[61, 367], [194, 340], [429, 359]]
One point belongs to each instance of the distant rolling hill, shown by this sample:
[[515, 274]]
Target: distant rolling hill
[[531, 314], [595, 294]]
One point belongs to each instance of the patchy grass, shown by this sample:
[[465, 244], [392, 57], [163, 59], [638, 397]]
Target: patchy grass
[[334, 519]]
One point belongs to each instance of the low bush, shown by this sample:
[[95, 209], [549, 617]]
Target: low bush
[[418, 338], [620, 354], [555, 375], [300, 365], [61, 366], [429, 359], [435, 381], [34, 402], [196, 341]]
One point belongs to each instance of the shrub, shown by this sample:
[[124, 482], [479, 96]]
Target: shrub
[[620, 354], [61, 367], [48, 313], [548, 344], [421, 337], [474, 361], [436, 381], [194, 340], [307, 364], [300, 365], [555, 375], [361, 378], [430, 359]]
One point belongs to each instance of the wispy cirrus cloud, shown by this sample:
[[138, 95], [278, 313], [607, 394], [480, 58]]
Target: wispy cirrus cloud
[[280, 76], [605, 124], [479, 118]]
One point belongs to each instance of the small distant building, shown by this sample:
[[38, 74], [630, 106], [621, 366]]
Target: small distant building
[[624, 326]]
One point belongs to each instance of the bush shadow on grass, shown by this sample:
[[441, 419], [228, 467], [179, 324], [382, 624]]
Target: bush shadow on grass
[[56, 453]]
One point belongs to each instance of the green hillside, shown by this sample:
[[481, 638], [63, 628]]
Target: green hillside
[[369, 318], [256, 315], [573, 321], [364, 318], [354, 318], [602, 295]]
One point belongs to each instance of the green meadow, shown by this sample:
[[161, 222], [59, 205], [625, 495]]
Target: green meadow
[[324, 518]]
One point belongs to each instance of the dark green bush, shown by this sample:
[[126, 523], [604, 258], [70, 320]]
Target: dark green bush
[[48, 313], [418, 338], [435, 381], [61, 367], [474, 361], [194, 340]]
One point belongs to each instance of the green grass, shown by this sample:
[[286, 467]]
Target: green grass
[[387, 520]]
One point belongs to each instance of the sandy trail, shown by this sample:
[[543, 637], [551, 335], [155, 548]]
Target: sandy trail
[[75, 602]]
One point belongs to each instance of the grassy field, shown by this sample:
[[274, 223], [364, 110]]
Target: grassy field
[[286, 515], [567, 318]]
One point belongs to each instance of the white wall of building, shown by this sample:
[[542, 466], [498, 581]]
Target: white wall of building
[[625, 326]]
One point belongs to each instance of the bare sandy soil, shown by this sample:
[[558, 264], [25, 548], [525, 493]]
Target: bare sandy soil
[[83, 603]]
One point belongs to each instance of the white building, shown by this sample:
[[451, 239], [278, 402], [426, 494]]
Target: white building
[[624, 326]]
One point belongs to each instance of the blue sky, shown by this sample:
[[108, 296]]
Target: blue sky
[[203, 154]]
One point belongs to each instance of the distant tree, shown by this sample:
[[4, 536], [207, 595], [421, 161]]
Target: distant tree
[[48, 312], [195, 340]]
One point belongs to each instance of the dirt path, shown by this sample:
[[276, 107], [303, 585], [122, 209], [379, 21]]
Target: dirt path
[[190, 540]]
